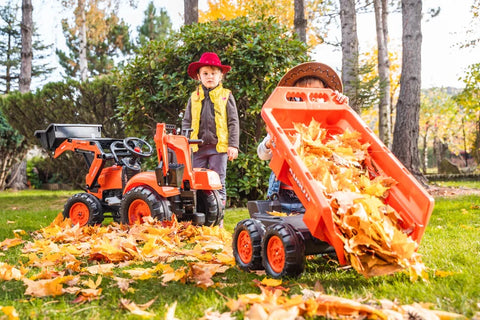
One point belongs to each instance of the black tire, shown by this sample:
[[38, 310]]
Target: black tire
[[209, 202], [282, 239], [142, 201], [84, 209], [247, 244]]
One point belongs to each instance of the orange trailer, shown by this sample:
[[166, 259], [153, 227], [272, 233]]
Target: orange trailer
[[279, 244]]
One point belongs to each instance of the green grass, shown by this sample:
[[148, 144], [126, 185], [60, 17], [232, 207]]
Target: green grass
[[459, 184], [451, 244]]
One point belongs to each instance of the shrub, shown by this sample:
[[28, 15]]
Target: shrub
[[155, 86]]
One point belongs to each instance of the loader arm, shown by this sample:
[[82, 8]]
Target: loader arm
[[85, 147]]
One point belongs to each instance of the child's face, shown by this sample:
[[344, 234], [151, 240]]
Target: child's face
[[210, 76]]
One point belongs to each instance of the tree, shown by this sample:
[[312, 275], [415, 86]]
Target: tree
[[27, 31], [94, 38], [190, 11], [384, 110], [299, 21], [11, 51], [12, 149], [469, 98], [350, 68], [283, 10], [108, 39], [405, 135], [154, 27]]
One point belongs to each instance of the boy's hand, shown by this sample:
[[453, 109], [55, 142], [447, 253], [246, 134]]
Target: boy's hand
[[232, 153], [341, 98]]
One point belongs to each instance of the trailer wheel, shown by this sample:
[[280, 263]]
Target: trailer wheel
[[283, 251], [142, 202], [83, 209], [247, 244], [210, 203]]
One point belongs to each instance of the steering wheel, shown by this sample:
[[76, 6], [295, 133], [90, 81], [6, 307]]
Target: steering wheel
[[138, 147]]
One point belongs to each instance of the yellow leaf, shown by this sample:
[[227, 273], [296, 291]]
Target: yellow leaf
[[10, 312], [271, 282]]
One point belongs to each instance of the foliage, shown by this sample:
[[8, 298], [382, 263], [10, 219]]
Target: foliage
[[469, 99], [447, 248], [442, 119], [282, 9], [154, 27], [108, 39], [155, 86], [10, 50], [93, 102], [12, 149]]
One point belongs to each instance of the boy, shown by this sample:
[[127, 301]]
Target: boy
[[212, 114], [305, 75]]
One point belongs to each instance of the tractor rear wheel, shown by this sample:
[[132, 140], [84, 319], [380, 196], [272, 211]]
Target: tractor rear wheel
[[283, 251], [210, 203], [142, 202], [83, 209], [247, 244]]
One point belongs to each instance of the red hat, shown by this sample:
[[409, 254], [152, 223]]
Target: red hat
[[312, 69], [207, 59]]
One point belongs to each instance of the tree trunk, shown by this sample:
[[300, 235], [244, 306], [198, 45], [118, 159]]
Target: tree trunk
[[405, 136], [83, 63], [18, 176], [384, 110], [26, 64], [350, 70], [190, 11], [299, 21]]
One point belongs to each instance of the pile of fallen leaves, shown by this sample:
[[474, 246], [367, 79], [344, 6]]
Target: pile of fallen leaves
[[374, 244], [274, 303], [98, 250]]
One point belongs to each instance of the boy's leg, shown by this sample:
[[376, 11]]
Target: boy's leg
[[218, 163], [200, 158]]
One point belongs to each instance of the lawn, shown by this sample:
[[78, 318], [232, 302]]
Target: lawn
[[449, 248]]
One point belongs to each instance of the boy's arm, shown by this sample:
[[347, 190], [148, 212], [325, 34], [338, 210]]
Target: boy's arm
[[187, 117], [233, 123], [263, 151]]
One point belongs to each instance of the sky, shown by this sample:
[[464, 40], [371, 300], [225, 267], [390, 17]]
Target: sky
[[443, 61]]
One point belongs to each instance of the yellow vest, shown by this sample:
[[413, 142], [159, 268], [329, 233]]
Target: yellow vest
[[219, 97]]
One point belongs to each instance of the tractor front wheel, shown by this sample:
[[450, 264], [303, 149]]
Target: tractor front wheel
[[83, 209], [283, 251], [247, 248], [141, 202]]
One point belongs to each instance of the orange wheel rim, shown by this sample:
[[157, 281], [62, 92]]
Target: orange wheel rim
[[79, 213], [244, 247], [276, 254], [137, 210]]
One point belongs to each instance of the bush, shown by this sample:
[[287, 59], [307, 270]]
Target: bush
[[155, 86], [90, 102]]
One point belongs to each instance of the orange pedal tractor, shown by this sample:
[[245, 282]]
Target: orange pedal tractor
[[116, 184]]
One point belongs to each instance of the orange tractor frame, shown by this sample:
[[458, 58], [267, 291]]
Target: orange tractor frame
[[116, 184]]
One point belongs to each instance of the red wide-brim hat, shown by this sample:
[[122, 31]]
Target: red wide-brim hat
[[207, 59], [313, 69]]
